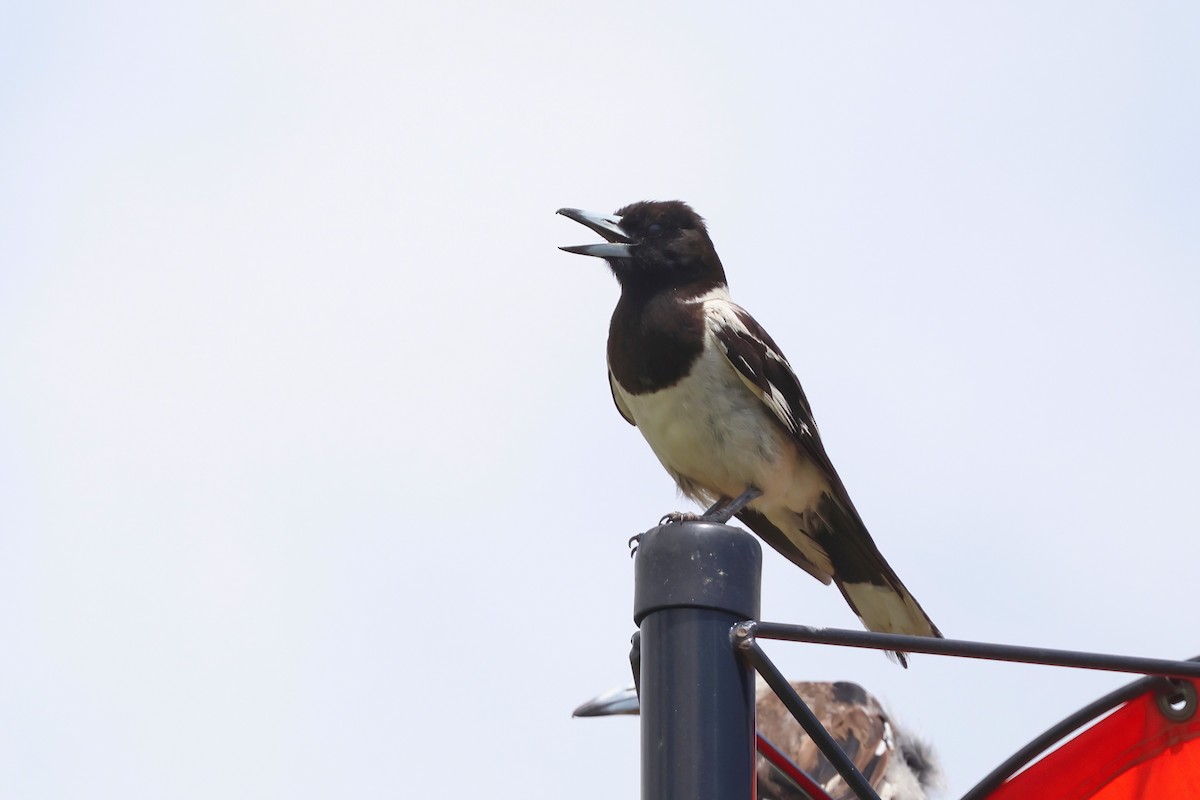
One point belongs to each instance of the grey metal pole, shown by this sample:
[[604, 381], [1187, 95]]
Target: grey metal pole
[[693, 581]]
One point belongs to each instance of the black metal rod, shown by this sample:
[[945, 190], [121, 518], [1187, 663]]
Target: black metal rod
[[985, 650], [693, 582], [1084, 715], [808, 720]]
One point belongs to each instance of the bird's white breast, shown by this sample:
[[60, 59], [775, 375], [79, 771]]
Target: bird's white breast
[[711, 431]]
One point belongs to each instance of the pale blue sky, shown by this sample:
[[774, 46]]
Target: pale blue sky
[[310, 481]]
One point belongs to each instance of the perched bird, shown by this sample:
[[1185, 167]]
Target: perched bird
[[898, 765], [722, 409]]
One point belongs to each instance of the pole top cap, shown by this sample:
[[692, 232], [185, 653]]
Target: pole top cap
[[697, 565]]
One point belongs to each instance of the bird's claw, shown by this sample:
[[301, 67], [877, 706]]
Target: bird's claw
[[676, 517]]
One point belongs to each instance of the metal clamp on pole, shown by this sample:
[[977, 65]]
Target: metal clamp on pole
[[693, 581]]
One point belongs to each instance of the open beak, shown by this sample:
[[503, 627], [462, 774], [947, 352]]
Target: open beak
[[618, 245]]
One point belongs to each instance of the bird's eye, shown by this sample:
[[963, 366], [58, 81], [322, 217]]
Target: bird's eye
[[653, 229]]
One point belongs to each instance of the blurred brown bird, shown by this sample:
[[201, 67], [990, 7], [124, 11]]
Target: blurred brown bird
[[898, 765]]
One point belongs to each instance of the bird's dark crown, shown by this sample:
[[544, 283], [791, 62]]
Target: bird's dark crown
[[672, 248]]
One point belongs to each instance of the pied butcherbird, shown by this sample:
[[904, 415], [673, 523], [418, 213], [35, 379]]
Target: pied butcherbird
[[722, 409]]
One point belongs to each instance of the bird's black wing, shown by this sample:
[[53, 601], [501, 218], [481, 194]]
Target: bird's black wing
[[840, 532], [752, 352], [769, 533], [758, 361]]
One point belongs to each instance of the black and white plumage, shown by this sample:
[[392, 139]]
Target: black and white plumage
[[897, 764], [722, 409]]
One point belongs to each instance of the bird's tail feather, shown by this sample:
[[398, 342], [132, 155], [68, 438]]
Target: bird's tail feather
[[868, 583]]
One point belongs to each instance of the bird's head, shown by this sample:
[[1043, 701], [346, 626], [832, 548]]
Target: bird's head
[[653, 245]]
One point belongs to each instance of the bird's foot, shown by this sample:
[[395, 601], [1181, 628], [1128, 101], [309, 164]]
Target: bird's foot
[[724, 509], [721, 511], [633, 543]]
